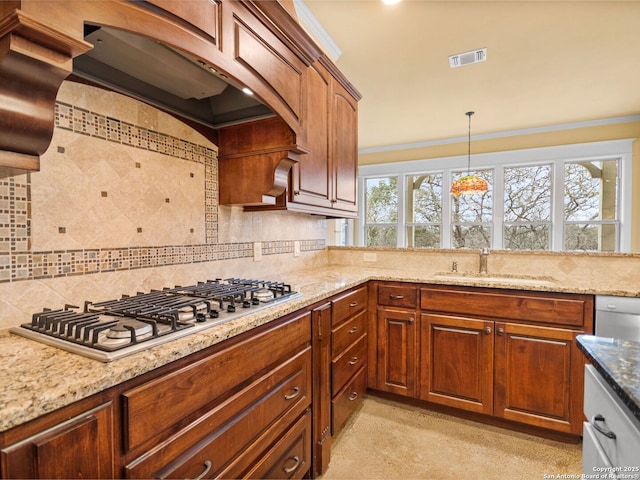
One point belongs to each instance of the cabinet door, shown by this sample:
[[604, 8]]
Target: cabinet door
[[321, 350], [81, 447], [456, 365], [343, 148], [397, 351], [311, 175], [539, 376]]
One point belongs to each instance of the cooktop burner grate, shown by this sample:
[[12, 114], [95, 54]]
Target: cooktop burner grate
[[115, 328]]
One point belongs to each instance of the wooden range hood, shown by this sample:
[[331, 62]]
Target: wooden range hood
[[264, 48]]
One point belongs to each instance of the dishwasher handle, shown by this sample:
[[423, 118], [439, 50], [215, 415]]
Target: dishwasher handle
[[606, 432]]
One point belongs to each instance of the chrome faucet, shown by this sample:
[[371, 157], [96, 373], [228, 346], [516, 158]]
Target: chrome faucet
[[484, 256]]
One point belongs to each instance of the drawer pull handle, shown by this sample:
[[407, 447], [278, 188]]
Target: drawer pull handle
[[296, 392], [353, 361], [207, 467], [353, 396], [396, 297], [353, 304], [353, 330], [293, 468], [606, 433]]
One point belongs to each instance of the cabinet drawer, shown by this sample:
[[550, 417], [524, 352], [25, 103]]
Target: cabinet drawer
[[348, 332], [600, 400], [348, 400], [290, 457], [557, 309], [404, 296], [349, 304], [218, 436], [344, 366], [156, 406]]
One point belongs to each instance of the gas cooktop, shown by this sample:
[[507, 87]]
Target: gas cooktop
[[113, 329]]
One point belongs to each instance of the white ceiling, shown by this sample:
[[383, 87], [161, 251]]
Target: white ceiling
[[548, 63]]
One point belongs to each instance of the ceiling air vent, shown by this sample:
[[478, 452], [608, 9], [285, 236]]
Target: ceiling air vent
[[467, 58]]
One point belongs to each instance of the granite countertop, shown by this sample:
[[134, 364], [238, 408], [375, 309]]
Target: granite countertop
[[618, 361], [38, 379]]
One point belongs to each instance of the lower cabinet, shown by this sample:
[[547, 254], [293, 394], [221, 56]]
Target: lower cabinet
[[80, 446], [507, 354], [397, 351], [239, 409], [457, 362], [225, 414], [349, 351]]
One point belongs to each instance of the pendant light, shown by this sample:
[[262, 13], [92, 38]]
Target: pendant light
[[469, 184]]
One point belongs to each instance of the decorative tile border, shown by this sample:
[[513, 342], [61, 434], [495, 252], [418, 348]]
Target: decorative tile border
[[18, 262]]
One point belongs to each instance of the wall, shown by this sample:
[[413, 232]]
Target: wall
[[127, 200]]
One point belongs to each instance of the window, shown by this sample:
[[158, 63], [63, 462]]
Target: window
[[381, 207], [472, 215], [555, 198], [527, 208], [590, 205], [424, 210]]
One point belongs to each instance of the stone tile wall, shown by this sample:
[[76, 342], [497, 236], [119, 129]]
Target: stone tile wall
[[124, 187]]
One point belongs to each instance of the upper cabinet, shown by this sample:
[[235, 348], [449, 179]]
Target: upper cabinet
[[325, 179], [209, 51]]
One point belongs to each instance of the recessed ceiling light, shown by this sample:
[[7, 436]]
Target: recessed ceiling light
[[391, 2]]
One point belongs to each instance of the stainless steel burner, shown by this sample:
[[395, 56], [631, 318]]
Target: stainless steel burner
[[116, 328]]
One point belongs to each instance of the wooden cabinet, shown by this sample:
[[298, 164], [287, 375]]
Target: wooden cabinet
[[538, 376], [77, 445], [325, 179], [349, 351], [340, 351], [397, 339], [508, 354], [456, 362], [223, 425], [321, 349]]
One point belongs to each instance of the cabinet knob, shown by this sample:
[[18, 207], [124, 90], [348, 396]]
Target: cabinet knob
[[296, 192], [296, 464], [353, 330], [353, 361], [353, 304], [487, 330], [500, 331], [411, 320], [353, 396]]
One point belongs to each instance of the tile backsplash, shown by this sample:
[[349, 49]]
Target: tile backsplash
[[125, 190]]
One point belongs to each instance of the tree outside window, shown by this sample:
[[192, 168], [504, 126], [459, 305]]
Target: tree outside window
[[424, 210], [472, 215], [590, 206], [381, 212], [527, 208]]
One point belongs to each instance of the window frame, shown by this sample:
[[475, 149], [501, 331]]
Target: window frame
[[557, 156]]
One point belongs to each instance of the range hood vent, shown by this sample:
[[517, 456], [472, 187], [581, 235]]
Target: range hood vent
[[166, 78], [468, 58]]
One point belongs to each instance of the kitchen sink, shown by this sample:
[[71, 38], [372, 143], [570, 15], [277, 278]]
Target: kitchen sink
[[533, 280]]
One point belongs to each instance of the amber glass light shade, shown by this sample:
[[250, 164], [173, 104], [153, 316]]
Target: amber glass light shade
[[469, 185]]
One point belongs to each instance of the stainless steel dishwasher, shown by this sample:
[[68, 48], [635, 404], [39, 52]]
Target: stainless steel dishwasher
[[618, 317]]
